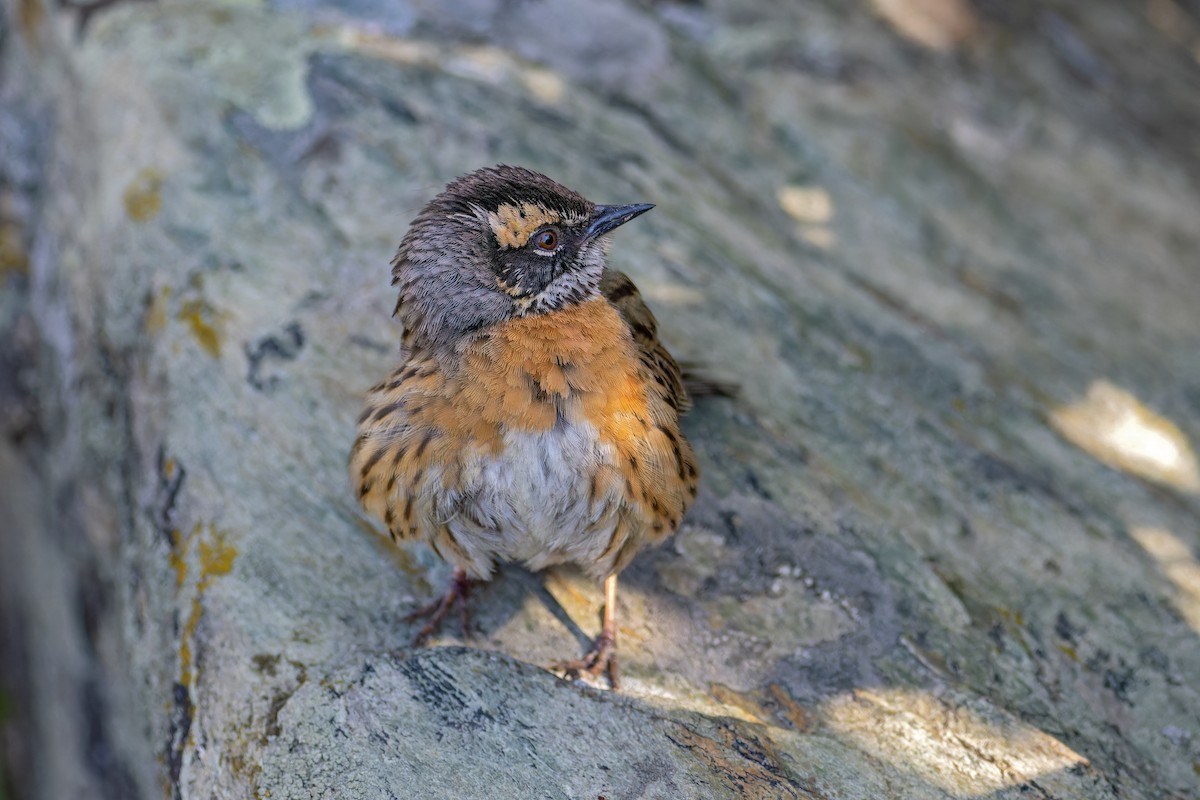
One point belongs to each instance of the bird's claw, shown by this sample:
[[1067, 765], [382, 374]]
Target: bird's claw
[[600, 658]]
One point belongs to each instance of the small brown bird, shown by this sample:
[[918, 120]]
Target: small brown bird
[[535, 416]]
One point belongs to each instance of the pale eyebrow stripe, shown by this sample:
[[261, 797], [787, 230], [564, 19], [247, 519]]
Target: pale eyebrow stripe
[[513, 224]]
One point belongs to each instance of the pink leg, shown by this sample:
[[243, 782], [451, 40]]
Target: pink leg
[[456, 592], [603, 654]]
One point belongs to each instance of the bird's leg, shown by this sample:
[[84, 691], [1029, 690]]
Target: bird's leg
[[603, 654], [436, 611]]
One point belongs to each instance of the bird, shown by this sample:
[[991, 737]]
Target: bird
[[535, 415]]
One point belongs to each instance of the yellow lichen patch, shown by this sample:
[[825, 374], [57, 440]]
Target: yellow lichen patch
[[13, 258], [216, 557], [205, 325], [185, 643], [29, 18], [789, 711], [143, 196], [748, 706], [178, 561], [513, 224], [156, 310], [1113, 426]]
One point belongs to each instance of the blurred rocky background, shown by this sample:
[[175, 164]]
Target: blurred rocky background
[[948, 540]]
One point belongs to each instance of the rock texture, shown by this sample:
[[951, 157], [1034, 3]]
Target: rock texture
[[948, 541]]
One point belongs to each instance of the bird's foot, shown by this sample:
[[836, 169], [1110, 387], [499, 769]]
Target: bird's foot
[[602, 657], [436, 611]]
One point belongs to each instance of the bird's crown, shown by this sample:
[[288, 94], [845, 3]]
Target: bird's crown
[[516, 201]]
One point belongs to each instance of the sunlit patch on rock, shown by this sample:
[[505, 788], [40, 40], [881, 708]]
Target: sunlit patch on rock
[[813, 208], [936, 24], [1113, 426], [963, 746], [1179, 564]]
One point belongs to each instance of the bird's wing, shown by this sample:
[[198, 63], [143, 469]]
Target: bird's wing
[[621, 292]]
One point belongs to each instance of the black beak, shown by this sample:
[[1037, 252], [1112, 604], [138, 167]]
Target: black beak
[[606, 218]]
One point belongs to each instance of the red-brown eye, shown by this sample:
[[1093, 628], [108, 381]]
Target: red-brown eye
[[546, 240]]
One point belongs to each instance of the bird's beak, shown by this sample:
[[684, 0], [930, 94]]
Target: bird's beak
[[605, 218]]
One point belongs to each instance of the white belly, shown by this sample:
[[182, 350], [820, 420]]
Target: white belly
[[534, 504]]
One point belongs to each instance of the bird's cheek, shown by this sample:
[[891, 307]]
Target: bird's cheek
[[525, 278], [592, 258], [549, 272]]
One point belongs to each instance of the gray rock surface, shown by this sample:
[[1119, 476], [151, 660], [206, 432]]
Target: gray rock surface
[[948, 544]]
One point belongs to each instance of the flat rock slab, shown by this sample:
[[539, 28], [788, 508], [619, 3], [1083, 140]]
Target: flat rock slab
[[453, 722]]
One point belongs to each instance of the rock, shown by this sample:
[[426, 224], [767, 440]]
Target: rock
[[912, 570]]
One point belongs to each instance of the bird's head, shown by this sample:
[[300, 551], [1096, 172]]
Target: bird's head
[[499, 243]]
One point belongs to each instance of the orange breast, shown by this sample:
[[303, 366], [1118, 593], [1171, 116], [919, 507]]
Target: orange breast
[[571, 367], [579, 362]]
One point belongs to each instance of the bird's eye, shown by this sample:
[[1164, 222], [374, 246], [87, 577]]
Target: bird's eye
[[546, 240]]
